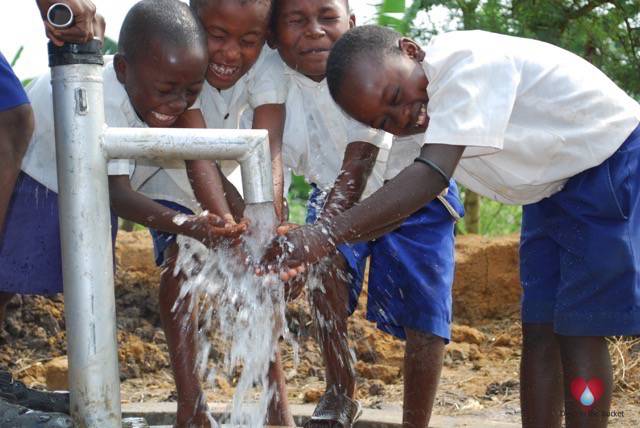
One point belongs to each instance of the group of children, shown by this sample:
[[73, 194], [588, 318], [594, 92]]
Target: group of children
[[517, 120]]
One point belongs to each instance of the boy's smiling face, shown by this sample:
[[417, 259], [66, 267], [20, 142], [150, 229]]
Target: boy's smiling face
[[235, 33], [306, 31], [391, 96], [164, 83]]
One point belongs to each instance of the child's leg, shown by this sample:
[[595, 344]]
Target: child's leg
[[580, 270], [410, 280], [16, 127], [180, 330], [331, 310], [541, 386], [278, 413], [587, 358], [5, 298], [422, 367]]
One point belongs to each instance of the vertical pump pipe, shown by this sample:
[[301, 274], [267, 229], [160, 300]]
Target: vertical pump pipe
[[87, 259]]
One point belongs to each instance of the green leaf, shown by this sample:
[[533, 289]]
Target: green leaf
[[109, 47], [16, 57], [392, 6]]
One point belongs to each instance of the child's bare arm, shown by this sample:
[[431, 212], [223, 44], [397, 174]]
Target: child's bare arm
[[357, 164], [204, 175], [136, 207], [395, 201], [400, 197], [271, 117]]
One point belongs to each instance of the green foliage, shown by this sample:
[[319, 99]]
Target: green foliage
[[495, 218], [605, 32], [16, 57], [391, 13], [109, 46], [297, 198]]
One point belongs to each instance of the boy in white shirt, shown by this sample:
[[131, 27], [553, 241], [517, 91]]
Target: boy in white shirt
[[409, 295], [522, 122], [239, 85], [155, 77]]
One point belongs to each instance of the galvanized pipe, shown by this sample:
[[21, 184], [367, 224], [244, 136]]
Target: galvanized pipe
[[87, 259], [249, 147]]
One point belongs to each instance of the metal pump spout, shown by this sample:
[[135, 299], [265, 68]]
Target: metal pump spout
[[250, 147]]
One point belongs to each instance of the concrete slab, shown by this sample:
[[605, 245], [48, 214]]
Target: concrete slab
[[161, 415]]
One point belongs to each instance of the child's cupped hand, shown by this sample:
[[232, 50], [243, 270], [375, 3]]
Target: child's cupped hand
[[213, 230], [297, 247]]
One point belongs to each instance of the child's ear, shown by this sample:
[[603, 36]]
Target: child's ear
[[411, 48], [352, 21], [120, 66]]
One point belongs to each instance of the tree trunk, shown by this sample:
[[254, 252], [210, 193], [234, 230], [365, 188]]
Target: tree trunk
[[472, 212]]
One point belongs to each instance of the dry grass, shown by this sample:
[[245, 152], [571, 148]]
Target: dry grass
[[625, 356]]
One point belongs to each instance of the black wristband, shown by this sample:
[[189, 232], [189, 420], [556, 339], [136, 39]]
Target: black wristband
[[433, 166]]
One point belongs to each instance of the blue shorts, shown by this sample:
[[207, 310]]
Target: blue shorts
[[162, 240], [11, 92], [30, 254], [580, 251], [411, 270]]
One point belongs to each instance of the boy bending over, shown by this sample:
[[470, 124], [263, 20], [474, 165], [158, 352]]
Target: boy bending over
[[522, 122]]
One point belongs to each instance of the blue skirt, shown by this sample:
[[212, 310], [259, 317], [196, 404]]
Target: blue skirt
[[30, 255]]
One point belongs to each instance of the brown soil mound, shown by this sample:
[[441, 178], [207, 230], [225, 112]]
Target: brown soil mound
[[487, 283]]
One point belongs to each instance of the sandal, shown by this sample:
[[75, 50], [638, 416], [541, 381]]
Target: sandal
[[335, 411], [18, 393]]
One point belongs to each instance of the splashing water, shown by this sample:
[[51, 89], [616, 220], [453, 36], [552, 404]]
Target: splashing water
[[247, 311]]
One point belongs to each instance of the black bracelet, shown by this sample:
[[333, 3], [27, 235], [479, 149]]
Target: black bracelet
[[433, 166]]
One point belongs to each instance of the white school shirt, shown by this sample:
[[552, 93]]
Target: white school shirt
[[317, 133], [224, 109], [531, 114], [40, 159]]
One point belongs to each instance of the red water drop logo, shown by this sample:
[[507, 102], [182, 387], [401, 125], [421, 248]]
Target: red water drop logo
[[587, 392]]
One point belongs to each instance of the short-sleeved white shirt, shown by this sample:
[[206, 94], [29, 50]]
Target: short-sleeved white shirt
[[317, 133], [531, 114], [40, 160], [223, 109]]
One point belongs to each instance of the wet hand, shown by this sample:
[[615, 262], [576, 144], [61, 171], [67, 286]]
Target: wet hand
[[85, 25], [213, 230], [290, 254], [294, 286]]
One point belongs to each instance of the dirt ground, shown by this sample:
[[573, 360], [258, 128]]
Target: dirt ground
[[480, 375]]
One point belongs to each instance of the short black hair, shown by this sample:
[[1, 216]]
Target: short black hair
[[197, 5], [169, 22], [372, 42]]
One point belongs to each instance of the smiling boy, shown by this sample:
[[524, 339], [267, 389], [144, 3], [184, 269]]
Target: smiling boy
[[522, 122], [240, 92]]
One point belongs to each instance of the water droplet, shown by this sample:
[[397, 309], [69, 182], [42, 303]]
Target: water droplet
[[587, 399], [180, 219]]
